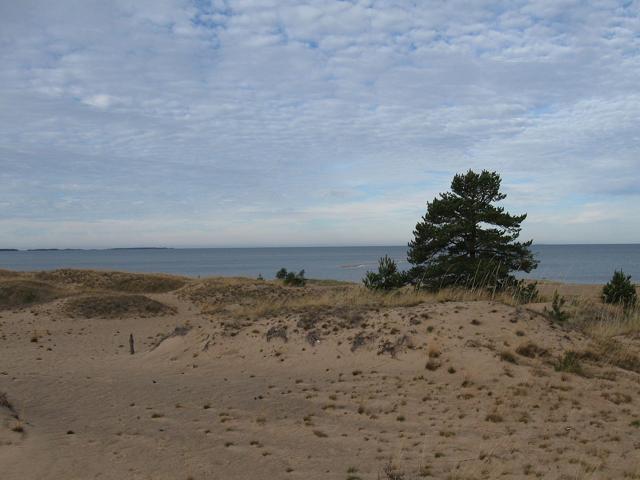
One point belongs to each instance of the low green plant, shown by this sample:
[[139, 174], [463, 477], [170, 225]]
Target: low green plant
[[295, 279], [620, 290], [291, 278], [525, 292], [388, 277], [557, 313]]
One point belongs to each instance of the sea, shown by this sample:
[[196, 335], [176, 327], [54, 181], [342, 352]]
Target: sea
[[587, 264]]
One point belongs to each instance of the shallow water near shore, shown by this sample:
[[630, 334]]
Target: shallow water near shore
[[565, 263]]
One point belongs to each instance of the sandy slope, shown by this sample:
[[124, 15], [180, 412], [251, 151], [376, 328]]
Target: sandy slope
[[224, 403]]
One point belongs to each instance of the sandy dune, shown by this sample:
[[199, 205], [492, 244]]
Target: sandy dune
[[453, 390]]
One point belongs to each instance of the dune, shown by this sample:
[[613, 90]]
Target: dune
[[113, 306], [237, 378], [23, 292]]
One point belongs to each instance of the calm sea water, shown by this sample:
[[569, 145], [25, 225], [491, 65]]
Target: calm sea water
[[567, 263]]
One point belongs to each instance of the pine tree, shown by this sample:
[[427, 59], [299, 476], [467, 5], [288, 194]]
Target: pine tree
[[465, 240], [620, 290], [387, 277]]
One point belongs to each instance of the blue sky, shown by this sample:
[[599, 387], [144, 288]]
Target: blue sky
[[282, 122]]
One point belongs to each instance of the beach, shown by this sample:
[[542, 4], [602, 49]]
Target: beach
[[239, 378]]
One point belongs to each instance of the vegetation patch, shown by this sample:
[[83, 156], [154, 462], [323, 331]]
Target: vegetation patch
[[291, 278], [115, 281], [277, 332], [116, 306], [531, 350], [507, 356], [612, 352], [570, 363], [557, 312], [22, 293], [620, 290]]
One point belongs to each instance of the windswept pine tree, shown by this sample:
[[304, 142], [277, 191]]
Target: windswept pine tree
[[466, 240]]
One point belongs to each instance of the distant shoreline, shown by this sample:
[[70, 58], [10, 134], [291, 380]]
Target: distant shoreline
[[81, 249], [278, 247]]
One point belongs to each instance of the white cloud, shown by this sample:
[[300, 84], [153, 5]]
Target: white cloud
[[100, 100], [172, 109]]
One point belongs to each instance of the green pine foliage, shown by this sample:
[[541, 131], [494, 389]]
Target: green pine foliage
[[523, 292], [557, 313], [620, 290], [291, 278], [465, 240], [388, 277]]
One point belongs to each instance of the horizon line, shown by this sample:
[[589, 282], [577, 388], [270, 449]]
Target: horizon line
[[247, 247]]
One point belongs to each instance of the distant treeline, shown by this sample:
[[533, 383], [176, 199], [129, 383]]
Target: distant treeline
[[80, 249]]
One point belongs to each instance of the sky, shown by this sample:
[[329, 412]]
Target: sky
[[286, 122]]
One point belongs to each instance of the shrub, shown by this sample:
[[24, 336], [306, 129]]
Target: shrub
[[525, 292], [570, 362], [557, 313], [507, 356], [290, 278], [531, 350], [388, 276], [620, 290], [295, 280]]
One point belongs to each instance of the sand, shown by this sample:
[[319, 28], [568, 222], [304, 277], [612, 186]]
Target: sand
[[219, 389]]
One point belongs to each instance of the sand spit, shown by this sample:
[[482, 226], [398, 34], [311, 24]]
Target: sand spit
[[236, 379]]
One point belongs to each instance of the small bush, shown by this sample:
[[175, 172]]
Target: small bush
[[388, 276], [526, 292], [531, 350], [391, 472], [570, 362], [295, 279], [620, 290], [290, 278], [557, 313], [507, 356], [277, 332]]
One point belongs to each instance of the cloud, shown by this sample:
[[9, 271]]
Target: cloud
[[221, 112], [100, 100]]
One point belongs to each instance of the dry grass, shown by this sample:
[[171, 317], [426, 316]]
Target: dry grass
[[531, 350], [25, 289], [614, 333], [599, 320], [21, 293], [247, 299], [115, 281], [116, 306], [613, 352], [345, 298]]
